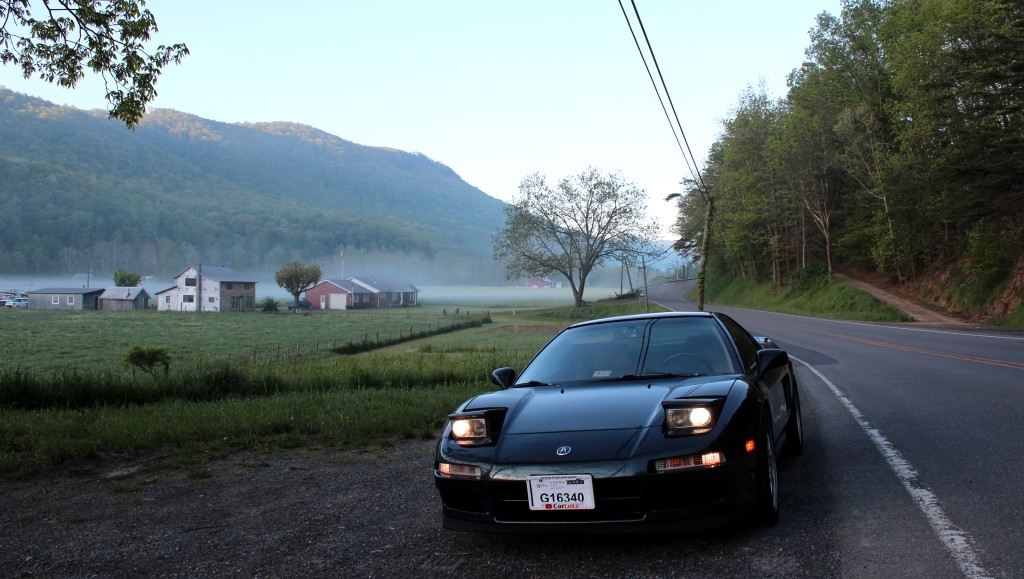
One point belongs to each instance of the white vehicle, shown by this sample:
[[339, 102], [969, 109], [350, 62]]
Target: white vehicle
[[16, 303]]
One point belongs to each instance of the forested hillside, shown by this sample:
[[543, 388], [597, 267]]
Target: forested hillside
[[898, 150], [78, 191]]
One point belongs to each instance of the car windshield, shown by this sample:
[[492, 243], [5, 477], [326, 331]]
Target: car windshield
[[627, 349]]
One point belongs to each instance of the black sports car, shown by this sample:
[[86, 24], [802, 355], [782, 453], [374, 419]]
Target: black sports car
[[646, 422]]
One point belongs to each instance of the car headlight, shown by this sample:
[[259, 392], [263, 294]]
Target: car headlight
[[470, 430], [689, 419]]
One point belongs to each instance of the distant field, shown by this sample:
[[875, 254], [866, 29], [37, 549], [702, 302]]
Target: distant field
[[47, 341]]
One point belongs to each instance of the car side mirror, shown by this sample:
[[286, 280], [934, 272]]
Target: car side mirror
[[771, 359], [503, 377]]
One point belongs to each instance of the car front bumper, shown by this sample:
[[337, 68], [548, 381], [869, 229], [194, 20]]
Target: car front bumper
[[631, 502]]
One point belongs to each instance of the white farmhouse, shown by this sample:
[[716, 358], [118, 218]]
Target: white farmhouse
[[208, 288]]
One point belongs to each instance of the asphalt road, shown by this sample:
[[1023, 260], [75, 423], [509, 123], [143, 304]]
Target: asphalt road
[[915, 446]]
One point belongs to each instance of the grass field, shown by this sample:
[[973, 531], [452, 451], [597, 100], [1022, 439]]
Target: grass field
[[48, 341], [65, 394], [266, 381]]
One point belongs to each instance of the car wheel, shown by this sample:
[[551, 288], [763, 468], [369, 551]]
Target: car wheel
[[766, 501], [795, 428]]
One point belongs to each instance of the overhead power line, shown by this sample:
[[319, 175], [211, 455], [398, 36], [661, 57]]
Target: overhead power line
[[676, 126]]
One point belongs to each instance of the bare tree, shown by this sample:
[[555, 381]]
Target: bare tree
[[574, 227]]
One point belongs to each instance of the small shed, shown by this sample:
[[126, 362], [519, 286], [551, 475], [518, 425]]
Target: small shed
[[116, 298], [542, 282], [63, 298]]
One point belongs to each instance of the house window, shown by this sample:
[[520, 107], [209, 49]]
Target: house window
[[248, 286], [211, 299], [229, 285], [167, 299], [55, 300], [188, 299], [190, 282], [71, 300]]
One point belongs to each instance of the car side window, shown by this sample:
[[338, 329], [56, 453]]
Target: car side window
[[745, 343]]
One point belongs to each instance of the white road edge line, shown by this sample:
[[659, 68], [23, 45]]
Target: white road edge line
[[956, 541]]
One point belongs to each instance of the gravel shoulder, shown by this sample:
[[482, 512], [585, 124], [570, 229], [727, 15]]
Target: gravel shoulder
[[328, 513]]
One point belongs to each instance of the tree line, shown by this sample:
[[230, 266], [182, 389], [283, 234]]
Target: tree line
[[898, 148]]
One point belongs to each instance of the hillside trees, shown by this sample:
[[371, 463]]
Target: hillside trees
[[175, 191], [898, 146], [56, 40], [573, 227]]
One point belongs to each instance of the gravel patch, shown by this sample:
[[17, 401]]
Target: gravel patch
[[328, 513]]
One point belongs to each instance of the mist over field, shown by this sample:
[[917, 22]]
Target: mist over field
[[447, 295], [467, 285]]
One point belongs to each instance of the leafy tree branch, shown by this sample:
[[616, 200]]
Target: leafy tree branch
[[109, 37]]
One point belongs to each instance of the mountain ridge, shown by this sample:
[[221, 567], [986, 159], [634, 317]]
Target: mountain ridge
[[180, 188]]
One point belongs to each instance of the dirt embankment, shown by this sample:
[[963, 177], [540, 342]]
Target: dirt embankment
[[912, 309]]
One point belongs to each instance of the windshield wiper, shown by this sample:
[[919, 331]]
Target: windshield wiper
[[648, 375], [535, 383]]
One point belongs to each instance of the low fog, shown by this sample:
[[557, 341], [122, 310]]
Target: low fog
[[465, 280]]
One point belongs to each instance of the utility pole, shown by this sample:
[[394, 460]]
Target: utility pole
[[704, 245], [647, 295], [199, 287]]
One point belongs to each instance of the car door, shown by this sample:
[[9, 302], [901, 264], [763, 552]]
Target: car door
[[772, 382]]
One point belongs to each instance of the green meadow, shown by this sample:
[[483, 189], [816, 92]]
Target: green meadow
[[261, 381]]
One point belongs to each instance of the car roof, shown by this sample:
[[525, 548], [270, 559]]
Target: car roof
[[647, 316]]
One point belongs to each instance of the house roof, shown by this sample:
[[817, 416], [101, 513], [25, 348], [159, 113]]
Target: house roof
[[123, 293], [68, 290], [217, 273], [221, 273], [340, 283], [375, 285]]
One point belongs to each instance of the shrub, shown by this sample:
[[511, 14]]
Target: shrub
[[269, 305], [146, 358]]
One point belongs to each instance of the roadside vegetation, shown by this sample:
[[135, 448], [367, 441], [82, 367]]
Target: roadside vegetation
[[835, 171], [810, 293]]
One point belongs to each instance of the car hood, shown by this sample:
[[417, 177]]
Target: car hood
[[593, 422], [593, 407]]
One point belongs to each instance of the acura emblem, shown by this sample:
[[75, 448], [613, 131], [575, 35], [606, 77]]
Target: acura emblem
[[563, 450]]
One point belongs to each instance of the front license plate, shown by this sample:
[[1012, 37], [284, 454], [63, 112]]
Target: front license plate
[[561, 492]]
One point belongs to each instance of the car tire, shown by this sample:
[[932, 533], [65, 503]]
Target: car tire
[[766, 498], [795, 427]]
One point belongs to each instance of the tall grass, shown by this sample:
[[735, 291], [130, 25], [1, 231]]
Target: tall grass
[[350, 417]]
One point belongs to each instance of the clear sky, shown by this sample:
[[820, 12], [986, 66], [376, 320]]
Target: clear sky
[[495, 89]]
